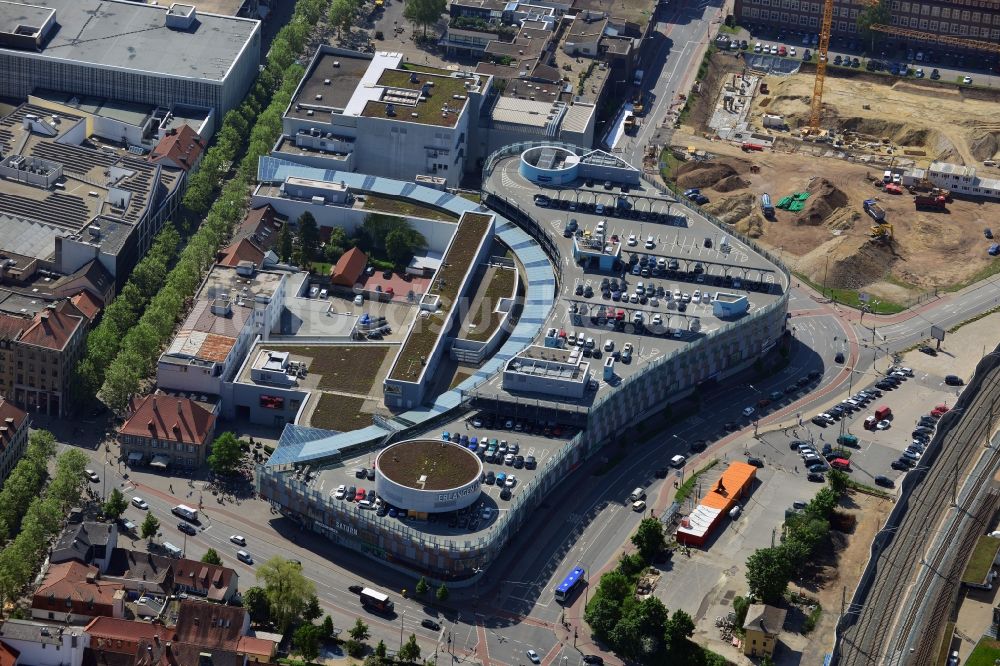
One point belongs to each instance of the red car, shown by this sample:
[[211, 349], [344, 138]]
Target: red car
[[360, 495]]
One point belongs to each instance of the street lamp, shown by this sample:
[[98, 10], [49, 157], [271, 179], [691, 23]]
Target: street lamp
[[401, 616]]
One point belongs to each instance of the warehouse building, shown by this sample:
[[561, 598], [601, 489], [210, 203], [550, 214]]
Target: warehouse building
[[736, 482], [128, 51]]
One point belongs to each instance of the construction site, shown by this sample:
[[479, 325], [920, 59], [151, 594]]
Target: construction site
[[910, 238]]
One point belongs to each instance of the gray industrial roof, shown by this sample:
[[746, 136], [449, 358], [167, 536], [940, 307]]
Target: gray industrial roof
[[134, 36]]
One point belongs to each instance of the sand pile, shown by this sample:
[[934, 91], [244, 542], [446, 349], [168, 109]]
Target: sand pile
[[731, 184], [826, 199], [741, 211]]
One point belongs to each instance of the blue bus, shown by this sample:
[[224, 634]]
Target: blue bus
[[568, 587]]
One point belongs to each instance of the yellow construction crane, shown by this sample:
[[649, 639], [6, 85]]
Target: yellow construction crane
[[816, 111], [824, 45], [881, 232]]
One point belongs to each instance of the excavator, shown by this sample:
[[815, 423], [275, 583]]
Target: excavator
[[881, 233]]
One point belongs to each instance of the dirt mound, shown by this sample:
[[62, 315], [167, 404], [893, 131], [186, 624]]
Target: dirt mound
[[703, 174], [984, 146], [741, 211], [731, 184], [826, 199], [857, 267]]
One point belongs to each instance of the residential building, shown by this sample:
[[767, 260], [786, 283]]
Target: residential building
[[111, 639], [45, 643], [761, 629], [585, 35], [69, 198], [85, 542], [144, 572], [978, 21], [254, 239], [233, 307], [348, 268], [165, 431], [38, 354], [75, 593], [137, 52], [211, 625], [180, 149], [14, 425]]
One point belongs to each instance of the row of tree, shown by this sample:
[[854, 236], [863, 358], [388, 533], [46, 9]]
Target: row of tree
[[642, 631], [255, 126], [388, 240], [25, 482], [42, 520], [769, 570], [104, 341]]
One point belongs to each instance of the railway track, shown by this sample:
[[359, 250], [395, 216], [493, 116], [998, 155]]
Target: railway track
[[898, 562]]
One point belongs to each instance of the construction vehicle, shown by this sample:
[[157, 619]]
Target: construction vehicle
[[930, 201], [632, 124], [748, 147], [881, 233], [877, 212], [893, 188]]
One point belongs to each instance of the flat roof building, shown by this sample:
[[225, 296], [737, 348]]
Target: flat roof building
[[548, 370], [127, 50]]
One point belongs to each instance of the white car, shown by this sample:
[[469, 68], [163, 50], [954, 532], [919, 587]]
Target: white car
[[650, 244], [883, 425], [791, 51], [340, 492], [609, 346], [639, 506], [359, 300], [533, 656], [657, 320], [632, 240], [677, 294], [92, 475], [706, 297], [140, 503], [510, 481], [757, 48], [696, 296], [238, 540], [967, 80], [774, 49], [748, 411]]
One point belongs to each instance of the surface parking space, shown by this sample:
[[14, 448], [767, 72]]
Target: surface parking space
[[877, 449], [530, 441]]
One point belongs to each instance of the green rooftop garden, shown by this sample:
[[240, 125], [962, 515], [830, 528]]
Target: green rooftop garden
[[427, 112], [454, 266]]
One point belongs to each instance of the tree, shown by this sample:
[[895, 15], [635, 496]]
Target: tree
[[284, 246], [410, 650], [150, 526], [307, 236], [342, 14], [225, 455], [116, 504], [424, 12], [878, 13], [649, 538], [602, 615], [768, 572], [442, 593], [422, 586], [397, 247], [312, 610], [287, 590], [679, 628], [327, 627], [355, 648], [380, 650], [359, 631], [306, 639], [336, 245], [211, 556], [616, 586], [255, 601], [839, 481]]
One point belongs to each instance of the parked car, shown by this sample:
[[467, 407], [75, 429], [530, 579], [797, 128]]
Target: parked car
[[953, 380], [816, 477]]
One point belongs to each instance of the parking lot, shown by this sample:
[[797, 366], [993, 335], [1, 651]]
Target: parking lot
[[876, 449], [678, 261], [532, 441]]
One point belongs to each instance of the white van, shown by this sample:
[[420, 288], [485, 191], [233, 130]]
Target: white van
[[734, 513], [637, 495], [172, 550], [678, 461]]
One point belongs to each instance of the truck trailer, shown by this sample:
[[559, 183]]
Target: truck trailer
[[930, 201]]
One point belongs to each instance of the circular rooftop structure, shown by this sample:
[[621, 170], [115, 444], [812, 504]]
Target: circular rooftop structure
[[429, 476], [549, 165]]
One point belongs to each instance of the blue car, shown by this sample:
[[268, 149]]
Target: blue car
[[691, 192], [501, 477], [392, 512], [446, 436], [700, 199]]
